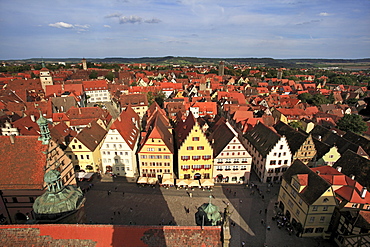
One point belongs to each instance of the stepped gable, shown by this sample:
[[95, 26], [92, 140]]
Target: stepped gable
[[355, 165], [295, 138], [23, 162], [262, 138], [92, 135], [183, 128], [316, 185]]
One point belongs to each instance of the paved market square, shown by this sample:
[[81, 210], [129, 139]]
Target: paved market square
[[121, 202]]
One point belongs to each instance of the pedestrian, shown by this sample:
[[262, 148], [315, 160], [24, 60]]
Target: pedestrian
[[243, 243], [119, 213], [114, 213], [240, 201], [263, 197], [265, 210], [260, 211], [130, 209], [115, 189], [123, 193], [111, 218], [234, 193], [262, 221]]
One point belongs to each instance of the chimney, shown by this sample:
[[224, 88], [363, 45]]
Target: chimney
[[32, 118], [12, 139], [363, 192], [339, 168], [79, 111], [318, 172], [353, 177], [119, 118]]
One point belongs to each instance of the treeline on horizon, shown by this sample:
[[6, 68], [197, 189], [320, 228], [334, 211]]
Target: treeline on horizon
[[168, 60]]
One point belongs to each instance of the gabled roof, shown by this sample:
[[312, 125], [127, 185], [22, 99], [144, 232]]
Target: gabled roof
[[316, 185], [92, 135], [127, 129], [95, 85], [355, 165], [221, 137], [183, 128], [295, 138], [22, 162], [62, 134], [359, 140], [262, 138]]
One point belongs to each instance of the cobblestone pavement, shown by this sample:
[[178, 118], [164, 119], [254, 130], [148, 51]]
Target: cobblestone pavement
[[121, 202]]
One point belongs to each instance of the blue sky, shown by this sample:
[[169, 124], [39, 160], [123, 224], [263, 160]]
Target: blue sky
[[202, 28]]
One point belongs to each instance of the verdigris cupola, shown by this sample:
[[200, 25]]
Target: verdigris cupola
[[44, 130]]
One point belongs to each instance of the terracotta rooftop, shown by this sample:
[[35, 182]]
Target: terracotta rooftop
[[108, 235], [22, 162]]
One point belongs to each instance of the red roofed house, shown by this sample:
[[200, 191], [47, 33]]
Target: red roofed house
[[119, 146], [156, 151], [24, 162], [201, 109], [84, 148], [96, 91], [138, 102]]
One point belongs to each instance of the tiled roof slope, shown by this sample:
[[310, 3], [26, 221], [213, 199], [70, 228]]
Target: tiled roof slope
[[359, 140], [295, 138], [221, 136], [262, 138], [108, 235], [22, 163], [316, 184], [355, 165], [91, 135]]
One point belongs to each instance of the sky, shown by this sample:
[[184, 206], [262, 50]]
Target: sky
[[194, 28]]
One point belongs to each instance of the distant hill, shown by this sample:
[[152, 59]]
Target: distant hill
[[171, 60]]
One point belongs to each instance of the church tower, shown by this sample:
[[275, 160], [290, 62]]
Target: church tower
[[44, 130], [45, 77]]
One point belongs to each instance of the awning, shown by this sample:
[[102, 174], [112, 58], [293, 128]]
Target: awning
[[84, 175], [194, 183], [206, 182], [152, 180], [168, 182], [142, 180], [182, 182]]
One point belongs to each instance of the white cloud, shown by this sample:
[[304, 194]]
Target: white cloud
[[325, 14], [130, 19], [61, 25], [82, 26], [153, 20], [113, 15], [107, 26]]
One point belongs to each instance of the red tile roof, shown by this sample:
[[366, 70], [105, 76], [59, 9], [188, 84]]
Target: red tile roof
[[95, 85], [22, 163], [110, 235]]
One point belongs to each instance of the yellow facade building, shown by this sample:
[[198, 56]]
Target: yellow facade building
[[195, 153], [307, 200]]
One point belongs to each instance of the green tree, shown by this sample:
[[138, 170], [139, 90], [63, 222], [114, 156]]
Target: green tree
[[352, 122], [93, 74], [319, 99], [305, 97], [110, 76], [295, 125]]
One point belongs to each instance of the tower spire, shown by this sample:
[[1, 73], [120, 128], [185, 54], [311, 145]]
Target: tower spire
[[44, 130]]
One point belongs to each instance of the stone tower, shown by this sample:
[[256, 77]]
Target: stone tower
[[221, 68], [280, 74], [45, 77], [84, 64]]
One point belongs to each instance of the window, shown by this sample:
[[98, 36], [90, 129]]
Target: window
[[277, 170], [322, 218], [314, 208], [308, 230], [281, 146], [150, 149], [312, 219], [283, 169], [81, 156], [14, 199], [195, 138], [272, 162], [190, 148], [243, 167], [271, 170], [325, 208], [79, 147], [354, 205], [73, 146], [117, 168], [319, 230], [31, 199], [206, 157], [297, 212], [207, 166], [294, 193], [290, 203], [300, 201], [197, 167], [196, 157], [185, 157], [200, 148], [167, 157], [235, 168]]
